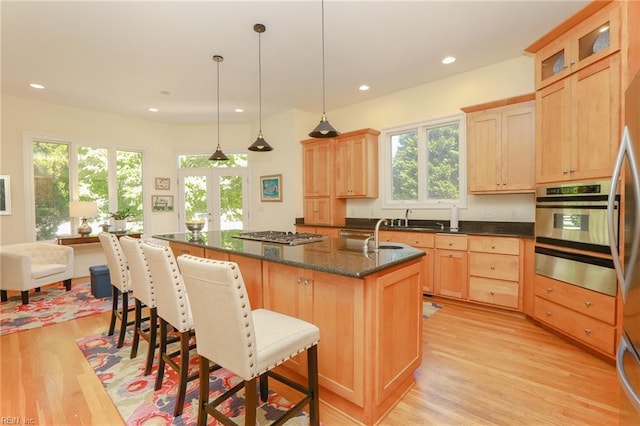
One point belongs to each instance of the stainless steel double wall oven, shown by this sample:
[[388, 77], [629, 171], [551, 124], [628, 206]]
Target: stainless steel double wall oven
[[572, 236]]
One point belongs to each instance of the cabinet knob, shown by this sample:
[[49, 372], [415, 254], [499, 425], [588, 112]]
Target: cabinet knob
[[587, 331], [450, 255], [493, 246], [573, 169], [493, 267], [565, 171], [504, 183], [587, 303], [306, 281], [549, 313], [299, 280], [549, 289], [572, 62], [450, 243], [492, 292]]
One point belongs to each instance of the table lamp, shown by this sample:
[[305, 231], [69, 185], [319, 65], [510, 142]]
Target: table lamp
[[83, 209]]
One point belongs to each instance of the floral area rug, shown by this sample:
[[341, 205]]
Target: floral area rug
[[430, 308], [133, 394], [51, 305]]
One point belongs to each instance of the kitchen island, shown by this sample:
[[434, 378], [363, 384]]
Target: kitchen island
[[368, 306]]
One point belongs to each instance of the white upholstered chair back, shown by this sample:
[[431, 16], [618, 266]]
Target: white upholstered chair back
[[222, 314], [171, 295], [116, 262], [139, 271]]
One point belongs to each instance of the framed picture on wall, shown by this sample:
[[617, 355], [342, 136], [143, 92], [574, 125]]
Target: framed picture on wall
[[5, 195], [162, 203], [163, 183], [271, 188]]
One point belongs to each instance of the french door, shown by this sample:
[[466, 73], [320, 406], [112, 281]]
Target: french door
[[217, 195]]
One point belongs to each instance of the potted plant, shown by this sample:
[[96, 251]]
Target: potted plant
[[120, 218]]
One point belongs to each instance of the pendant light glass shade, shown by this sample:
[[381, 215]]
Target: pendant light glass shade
[[323, 129], [218, 155], [260, 145]]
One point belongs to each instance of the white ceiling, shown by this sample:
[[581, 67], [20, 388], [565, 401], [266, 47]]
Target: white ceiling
[[119, 56]]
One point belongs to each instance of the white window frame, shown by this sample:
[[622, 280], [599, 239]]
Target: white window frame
[[30, 204], [387, 201]]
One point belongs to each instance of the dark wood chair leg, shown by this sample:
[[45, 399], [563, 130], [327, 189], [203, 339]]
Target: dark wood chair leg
[[204, 391], [3, 295], [25, 297], [153, 333], [250, 402], [67, 284], [264, 387], [161, 354], [312, 374], [183, 373], [124, 319], [114, 310], [136, 329]]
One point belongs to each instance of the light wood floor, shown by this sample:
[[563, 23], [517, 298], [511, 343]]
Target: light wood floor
[[478, 367]]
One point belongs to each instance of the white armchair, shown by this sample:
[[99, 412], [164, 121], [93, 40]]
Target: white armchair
[[31, 265]]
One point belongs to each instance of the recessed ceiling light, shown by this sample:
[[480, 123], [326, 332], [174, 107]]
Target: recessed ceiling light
[[363, 88], [153, 109], [36, 86], [449, 60], [238, 110]]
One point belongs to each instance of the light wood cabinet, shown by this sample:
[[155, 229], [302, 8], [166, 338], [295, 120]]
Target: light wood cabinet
[[322, 230], [317, 166], [334, 304], [180, 249], [586, 316], [578, 99], [423, 241], [356, 164], [501, 146], [583, 43], [451, 266], [495, 270], [578, 124]]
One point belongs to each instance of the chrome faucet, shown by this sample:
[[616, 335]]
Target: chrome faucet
[[376, 239], [406, 217]]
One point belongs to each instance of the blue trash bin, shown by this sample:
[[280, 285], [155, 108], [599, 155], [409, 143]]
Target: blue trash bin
[[100, 281]]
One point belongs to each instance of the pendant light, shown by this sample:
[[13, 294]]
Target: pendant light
[[218, 155], [324, 129], [260, 144]]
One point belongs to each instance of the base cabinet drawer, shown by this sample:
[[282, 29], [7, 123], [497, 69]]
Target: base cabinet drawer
[[587, 302], [498, 266], [495, 292], [594, 333]]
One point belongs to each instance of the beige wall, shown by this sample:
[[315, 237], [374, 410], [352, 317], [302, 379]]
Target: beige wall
[[162, 142]]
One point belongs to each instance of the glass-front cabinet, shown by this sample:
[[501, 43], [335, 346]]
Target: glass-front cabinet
[[593, 39]]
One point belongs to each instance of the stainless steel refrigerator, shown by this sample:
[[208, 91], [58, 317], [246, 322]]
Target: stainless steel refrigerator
[[628, 160]]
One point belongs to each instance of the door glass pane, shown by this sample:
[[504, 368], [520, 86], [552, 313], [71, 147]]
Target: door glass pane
[[93, 182], [231, 213], [195, 199], [51, 189], [129, 186], [404, 166], [444, 162]]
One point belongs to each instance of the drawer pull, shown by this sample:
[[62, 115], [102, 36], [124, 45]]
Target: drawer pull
[[493, 267], [549, 289], [587, 331], [307, 281], [549, 313], [493, 246], [299, 280], [450, 255], [587, 303], [492, 292], [450, 243]]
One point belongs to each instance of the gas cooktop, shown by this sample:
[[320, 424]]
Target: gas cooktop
[[280, 237]]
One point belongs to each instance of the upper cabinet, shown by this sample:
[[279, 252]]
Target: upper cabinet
[[590, 40], [317, 157], [356, 165], [578, 98], [501, 146]]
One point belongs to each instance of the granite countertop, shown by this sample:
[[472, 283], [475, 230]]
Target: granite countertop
[[503, 229], [340, 256]]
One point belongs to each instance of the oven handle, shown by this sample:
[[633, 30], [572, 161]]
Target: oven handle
[[626, 149]]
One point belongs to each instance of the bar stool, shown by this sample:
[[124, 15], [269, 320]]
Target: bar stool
[[173, 308], [120, 281], [144, 294], [254, 342]]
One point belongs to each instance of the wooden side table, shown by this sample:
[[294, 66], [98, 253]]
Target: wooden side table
[[77, 239]]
